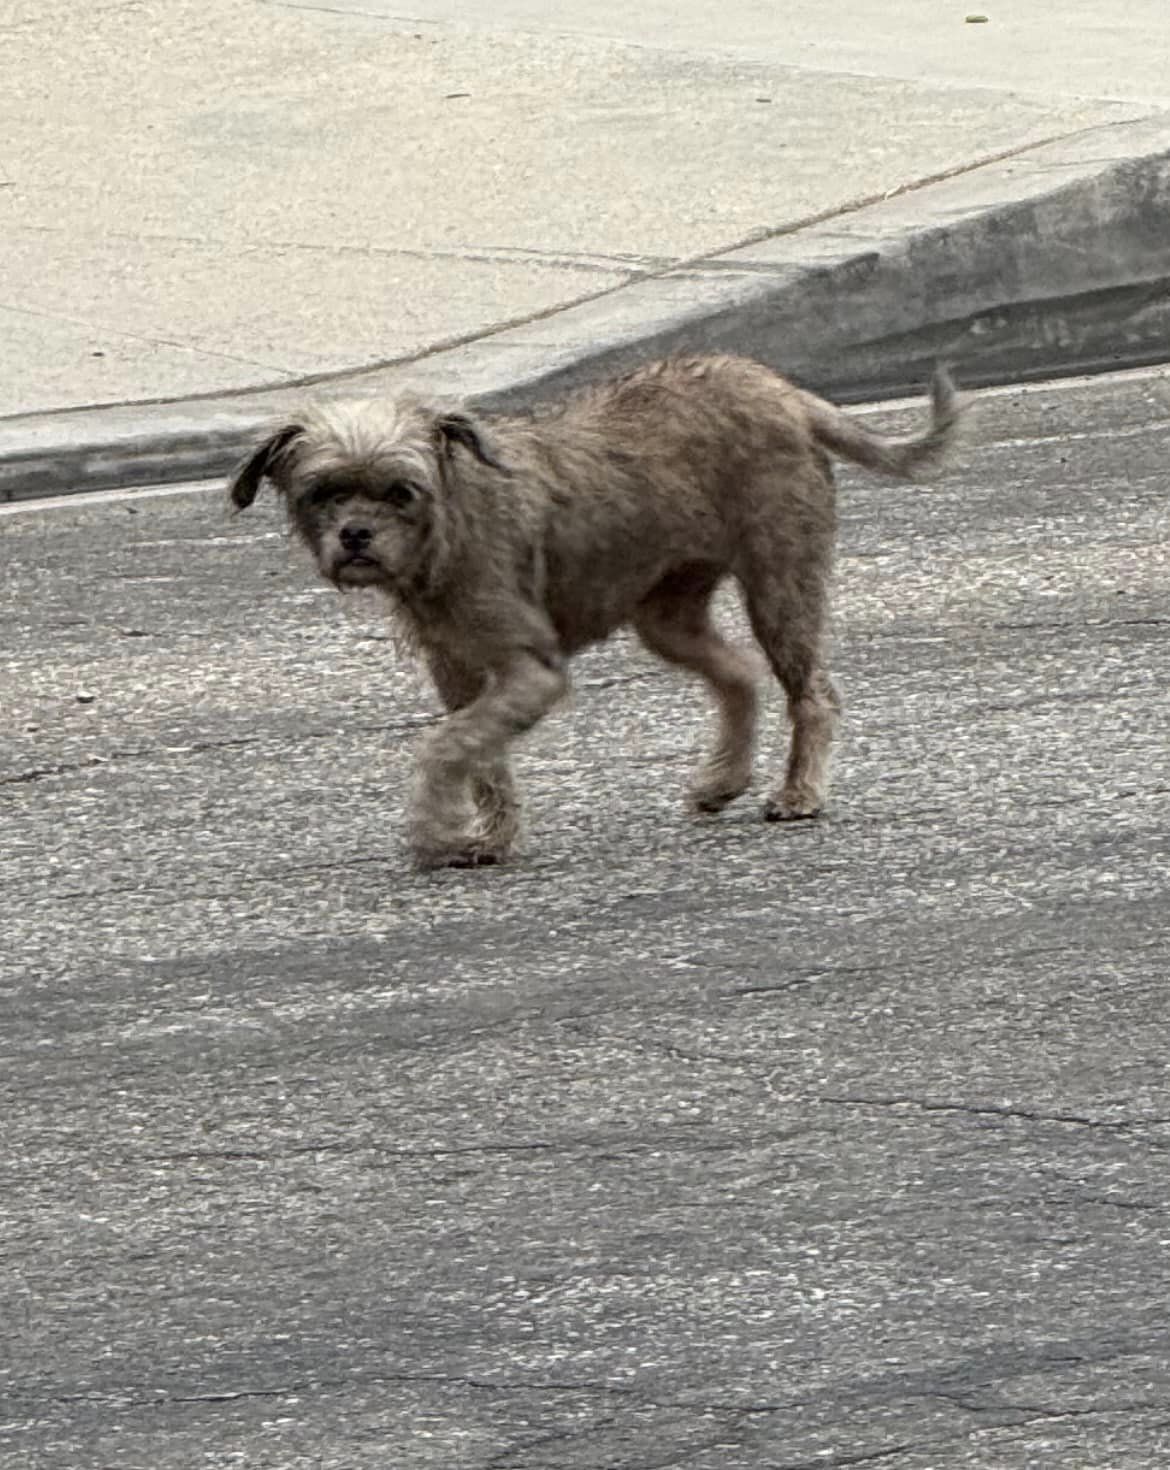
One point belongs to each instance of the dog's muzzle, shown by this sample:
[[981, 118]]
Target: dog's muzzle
[[355, 563]]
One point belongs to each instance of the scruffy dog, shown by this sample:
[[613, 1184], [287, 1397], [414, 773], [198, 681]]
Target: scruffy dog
[[505, 545]]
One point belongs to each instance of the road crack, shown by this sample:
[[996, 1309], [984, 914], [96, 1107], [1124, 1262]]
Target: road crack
[[997, 1110]]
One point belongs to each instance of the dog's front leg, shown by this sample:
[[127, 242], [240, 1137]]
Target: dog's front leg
[[472, 744], [493, 792]]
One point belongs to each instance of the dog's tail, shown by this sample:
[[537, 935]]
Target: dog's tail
[[901, 458]]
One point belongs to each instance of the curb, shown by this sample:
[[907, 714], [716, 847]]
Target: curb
[[1048, 263]]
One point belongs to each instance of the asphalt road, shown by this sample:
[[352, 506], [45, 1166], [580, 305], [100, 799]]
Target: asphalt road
[[706, 1144]]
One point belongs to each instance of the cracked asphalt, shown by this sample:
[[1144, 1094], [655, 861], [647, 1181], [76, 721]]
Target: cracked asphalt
[[695, 1143]]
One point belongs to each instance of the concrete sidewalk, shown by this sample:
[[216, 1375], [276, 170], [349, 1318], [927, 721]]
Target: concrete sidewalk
[[209, 199]]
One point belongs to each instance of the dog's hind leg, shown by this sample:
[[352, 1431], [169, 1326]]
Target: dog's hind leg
[[675, 623], [786, 591]]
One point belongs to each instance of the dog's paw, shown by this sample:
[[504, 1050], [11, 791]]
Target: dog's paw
[[792, 806], [714, 788], [707, 800], [471, 857], [459, 853]]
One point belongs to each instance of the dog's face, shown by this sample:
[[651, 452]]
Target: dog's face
[[366, 487]]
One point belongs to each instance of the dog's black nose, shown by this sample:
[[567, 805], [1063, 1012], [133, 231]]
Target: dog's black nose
[[355, 538]]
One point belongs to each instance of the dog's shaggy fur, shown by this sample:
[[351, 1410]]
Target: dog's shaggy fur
[[508, 544]]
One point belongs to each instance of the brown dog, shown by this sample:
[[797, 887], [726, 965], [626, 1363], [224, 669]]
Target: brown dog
[[508, 544]]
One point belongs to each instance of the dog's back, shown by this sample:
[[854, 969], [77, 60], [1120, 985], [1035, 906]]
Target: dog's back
[[684, 403]]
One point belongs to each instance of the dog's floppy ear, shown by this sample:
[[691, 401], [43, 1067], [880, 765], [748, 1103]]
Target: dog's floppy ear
[[455, 427], [245, 483]]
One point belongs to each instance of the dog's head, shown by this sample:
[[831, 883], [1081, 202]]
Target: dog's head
[[367, 487]]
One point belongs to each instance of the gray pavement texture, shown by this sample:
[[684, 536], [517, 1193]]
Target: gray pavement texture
[[206, 202], [709, 1144]]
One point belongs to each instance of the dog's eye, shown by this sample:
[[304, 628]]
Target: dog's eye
[[401, 493]]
